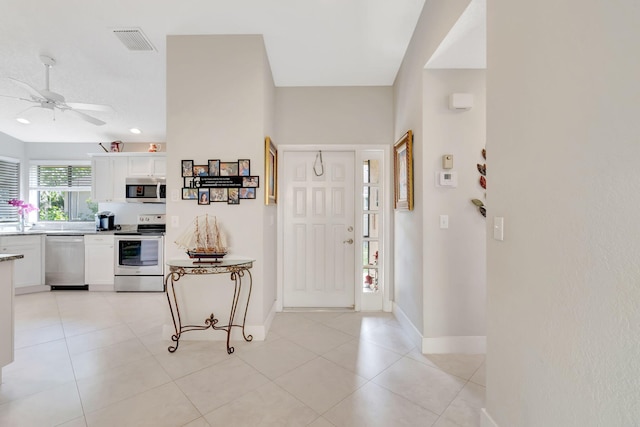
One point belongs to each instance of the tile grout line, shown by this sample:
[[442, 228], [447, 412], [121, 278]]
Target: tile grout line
[[73, 370]]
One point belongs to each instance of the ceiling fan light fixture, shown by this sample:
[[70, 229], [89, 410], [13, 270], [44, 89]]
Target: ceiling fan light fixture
[[135, 131], [23, 120]]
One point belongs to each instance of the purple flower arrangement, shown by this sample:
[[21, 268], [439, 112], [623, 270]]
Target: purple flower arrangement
[[23, 207]]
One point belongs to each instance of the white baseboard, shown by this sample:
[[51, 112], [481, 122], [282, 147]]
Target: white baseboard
[[486, 420], [32, 289], [469, 345], [453, 344], [407, 326], [269, 320]]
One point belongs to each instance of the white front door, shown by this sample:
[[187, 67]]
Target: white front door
[[319, 250]]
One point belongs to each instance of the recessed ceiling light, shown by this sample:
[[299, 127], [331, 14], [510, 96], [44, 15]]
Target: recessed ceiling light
[[22, 120], [135, 130]]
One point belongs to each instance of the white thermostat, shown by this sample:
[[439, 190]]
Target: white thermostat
[[447, 179]]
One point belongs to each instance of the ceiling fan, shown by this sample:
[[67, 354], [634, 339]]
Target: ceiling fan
[[44, 98]]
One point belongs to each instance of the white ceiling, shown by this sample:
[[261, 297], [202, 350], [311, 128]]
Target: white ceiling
[[465, 46], [309, 43]]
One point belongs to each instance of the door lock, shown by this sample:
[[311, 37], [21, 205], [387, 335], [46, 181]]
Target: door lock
[[349, 241]]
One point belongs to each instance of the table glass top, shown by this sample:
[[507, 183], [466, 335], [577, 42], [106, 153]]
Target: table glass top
[[225, 262]]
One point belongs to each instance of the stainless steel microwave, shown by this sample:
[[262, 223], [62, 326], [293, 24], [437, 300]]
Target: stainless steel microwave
[[146, 190]]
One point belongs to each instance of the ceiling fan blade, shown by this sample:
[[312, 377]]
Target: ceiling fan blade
[[35, 93], [85, 117], [18, 98], [90, 107]]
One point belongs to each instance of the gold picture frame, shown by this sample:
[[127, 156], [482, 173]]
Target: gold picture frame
[[403, 172], [271, 172]]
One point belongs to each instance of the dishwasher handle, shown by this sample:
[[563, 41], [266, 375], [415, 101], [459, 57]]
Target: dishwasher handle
[[65, 239]]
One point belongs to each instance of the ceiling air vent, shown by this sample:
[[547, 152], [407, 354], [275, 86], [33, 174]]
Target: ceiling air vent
[[134, 39]]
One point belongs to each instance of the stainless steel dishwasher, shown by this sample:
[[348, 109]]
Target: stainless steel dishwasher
[[64, 262]]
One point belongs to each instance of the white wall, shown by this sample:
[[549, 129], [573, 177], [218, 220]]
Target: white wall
[[269, 216], [563, 143], [454, 267], [435, 21], [11, 147], [334, 115], [216, 89]]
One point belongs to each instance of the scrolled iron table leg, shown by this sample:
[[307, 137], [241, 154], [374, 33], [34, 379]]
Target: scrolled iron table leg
[[237, 271]]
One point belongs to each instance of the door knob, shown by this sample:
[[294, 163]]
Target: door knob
[[349, 241]]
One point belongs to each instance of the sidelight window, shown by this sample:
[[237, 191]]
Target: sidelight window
[[371, 192]]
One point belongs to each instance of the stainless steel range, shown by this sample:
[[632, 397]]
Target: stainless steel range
[[139, 256]]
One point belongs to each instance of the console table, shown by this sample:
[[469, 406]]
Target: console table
[[236, 268]]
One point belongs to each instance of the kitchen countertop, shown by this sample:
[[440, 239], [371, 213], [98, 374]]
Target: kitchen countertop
[[55, 232], [79, 230]]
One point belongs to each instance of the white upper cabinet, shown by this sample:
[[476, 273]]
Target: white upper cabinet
[[108, 176], [110, 170], [148, 165]]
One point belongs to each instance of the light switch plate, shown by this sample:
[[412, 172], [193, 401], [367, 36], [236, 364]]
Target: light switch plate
[[444, 221]]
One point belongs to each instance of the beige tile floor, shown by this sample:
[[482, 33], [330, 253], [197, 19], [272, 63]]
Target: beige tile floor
[[98, 359]]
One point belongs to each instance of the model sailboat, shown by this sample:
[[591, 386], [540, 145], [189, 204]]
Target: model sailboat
[[204, 240]]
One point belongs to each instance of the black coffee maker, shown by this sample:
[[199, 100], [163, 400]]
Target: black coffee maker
[[105, 221]]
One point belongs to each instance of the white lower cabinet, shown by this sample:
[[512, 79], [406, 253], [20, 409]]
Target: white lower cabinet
[[28, 271], [6, 314], [99, 259]]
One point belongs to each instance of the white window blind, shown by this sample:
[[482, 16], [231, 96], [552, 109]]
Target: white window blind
[[60, 178], [9, 189]]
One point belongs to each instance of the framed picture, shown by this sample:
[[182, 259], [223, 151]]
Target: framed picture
[[201, 170], [214, 167], [203, 196], [403, 172], [218, 194], [228, 168], [244, 167], [187, 168], [189, 193], [234, 196], [247, 193], [251, 181], [271, 172]]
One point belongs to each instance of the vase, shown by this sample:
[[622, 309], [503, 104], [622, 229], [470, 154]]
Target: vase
[[22, 223]]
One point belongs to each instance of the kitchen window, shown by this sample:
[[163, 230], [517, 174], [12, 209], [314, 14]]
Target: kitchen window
[[9, 189], [62, 191]]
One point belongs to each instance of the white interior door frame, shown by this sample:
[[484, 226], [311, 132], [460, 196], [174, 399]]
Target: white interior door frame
[[387, 208]]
